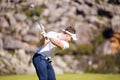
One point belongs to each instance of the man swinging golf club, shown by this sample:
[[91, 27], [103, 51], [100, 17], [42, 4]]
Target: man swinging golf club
[[49, 41], [42, 57]]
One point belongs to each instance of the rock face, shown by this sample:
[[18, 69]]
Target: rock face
[[19, 39], [18, 63]]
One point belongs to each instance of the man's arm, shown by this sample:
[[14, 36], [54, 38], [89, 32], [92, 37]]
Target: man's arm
[[43, 41], [57, 43]]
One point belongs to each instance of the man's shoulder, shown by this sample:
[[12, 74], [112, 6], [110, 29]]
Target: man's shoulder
[[52, 32]]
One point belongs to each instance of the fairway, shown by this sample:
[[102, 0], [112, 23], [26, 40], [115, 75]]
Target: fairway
[[66, 77]]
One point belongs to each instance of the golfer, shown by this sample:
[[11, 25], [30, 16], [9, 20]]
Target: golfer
[[42, 57]]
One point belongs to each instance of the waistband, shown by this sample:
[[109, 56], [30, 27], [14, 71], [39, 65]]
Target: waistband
[[43, 57]]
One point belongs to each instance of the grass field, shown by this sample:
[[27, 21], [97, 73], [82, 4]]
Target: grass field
[[66, 77]]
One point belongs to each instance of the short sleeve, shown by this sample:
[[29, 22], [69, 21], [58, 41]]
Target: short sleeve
[[50, 34], [66, 44]]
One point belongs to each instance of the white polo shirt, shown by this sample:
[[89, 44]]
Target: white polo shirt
[[48, 49]]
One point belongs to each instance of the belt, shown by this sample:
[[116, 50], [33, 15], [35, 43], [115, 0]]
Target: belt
[[45, 57], [48, 59]]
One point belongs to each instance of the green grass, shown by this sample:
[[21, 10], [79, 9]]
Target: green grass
[[66, 77]]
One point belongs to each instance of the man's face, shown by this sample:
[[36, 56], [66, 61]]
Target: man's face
[[68, 37]]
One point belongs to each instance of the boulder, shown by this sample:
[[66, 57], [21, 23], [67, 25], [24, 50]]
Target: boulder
[[30, 39], [10, 17], [84, 33], [20, 17], [59, 62], [10, 43], [3, 23], [116, 24], [1, 42]]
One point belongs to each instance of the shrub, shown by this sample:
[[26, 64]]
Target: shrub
[[30, 12], [69, 50], [98, 1], [86, 49], [98, 39], [114, 2], [105, 64]]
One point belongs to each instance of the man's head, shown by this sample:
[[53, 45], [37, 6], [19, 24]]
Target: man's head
[[70, 29], [70, 33]]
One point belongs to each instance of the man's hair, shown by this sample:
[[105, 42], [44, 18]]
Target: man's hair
[[70, 29]]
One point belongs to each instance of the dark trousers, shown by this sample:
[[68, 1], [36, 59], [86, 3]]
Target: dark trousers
[[43, 68]]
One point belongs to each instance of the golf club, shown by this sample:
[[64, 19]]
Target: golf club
[[38, 23]]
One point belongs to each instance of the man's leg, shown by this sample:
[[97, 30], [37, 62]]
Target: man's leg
[[41, 67], [51, 73]]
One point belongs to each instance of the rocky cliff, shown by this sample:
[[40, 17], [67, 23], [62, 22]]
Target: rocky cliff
[[19, 38]]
